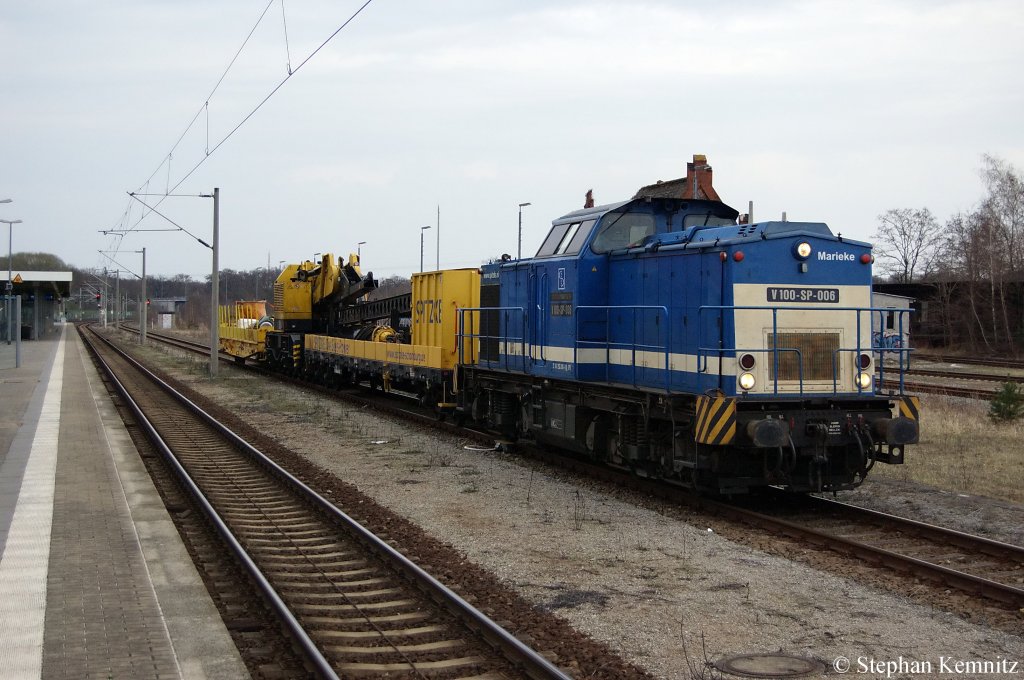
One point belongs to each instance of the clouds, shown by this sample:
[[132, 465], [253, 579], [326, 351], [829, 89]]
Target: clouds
[[832, 111]]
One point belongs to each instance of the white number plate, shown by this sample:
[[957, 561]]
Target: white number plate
[[809, 295]]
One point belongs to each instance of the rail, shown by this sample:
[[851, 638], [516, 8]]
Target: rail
[[532, 664], [1004, 590], [998, 590], [308, 649]]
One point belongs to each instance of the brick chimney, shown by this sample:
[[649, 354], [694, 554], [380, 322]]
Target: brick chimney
[[696, 184], [698, 179]]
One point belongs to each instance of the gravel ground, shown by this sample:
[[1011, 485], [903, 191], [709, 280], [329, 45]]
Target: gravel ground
[[664, 587]]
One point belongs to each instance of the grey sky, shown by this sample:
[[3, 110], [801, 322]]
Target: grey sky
[[830, 111]]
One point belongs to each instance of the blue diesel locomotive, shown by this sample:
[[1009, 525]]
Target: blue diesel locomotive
[[660, 335]]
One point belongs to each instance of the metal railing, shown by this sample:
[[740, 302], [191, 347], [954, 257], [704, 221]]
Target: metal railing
[[633, 346], [902, 353], [506, 340]]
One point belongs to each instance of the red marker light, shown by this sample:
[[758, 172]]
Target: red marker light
[[738, 256], [865, 258]]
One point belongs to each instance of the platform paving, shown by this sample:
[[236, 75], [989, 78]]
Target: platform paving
[[94, 580]]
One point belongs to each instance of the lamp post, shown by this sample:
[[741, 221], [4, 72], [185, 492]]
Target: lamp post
[[422, 230], [359, 252], [519, 250], [10, 284]]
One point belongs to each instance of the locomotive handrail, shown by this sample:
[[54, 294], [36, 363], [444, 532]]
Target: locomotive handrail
[[882, 350], [542, 294], [462, 335], [703, 353], [633, 345]]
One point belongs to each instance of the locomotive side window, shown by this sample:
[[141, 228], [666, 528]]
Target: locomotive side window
[[553, 239], [566, 239], [563, 245], [581, 237], [706, 220], [623, 230]]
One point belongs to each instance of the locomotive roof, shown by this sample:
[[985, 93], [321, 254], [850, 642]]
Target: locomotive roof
[[701, 236], [675, 203]]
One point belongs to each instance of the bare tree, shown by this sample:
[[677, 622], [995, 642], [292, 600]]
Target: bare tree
[[1003, 208], [966, 267], [906, 242]]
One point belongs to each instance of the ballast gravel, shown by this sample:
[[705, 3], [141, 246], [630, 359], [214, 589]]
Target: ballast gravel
[[661, 585]]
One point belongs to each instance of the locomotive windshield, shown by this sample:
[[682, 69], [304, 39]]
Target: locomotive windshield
[[623, 230]]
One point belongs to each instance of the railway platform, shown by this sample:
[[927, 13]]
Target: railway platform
[[94, 579]]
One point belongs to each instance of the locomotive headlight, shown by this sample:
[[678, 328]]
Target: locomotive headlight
[[864, 381], [803, 250], [746, 381]]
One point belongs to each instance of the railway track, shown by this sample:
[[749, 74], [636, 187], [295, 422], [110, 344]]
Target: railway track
[[973, 564], [976, 361], [976, 565], [965, 562], [351, 604], [915, 386], [956, 375]]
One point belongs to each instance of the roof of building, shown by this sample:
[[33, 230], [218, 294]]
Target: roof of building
[[28, 281], [31, 277], [673, 188], [697, 183]]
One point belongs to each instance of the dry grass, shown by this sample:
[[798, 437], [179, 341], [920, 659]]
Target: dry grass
[[962, 451]]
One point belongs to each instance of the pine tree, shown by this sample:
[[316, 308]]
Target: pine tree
[[1007, 404]]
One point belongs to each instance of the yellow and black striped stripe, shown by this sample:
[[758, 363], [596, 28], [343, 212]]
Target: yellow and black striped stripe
[[910, 408], [716, 420]]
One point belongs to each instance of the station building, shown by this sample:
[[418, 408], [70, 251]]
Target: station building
[[42, 296]]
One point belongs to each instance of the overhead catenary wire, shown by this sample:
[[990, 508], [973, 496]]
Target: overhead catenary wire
[[271, 94], [126, 217], [181, 228], [245, 119], [206, 101], [287, 49]]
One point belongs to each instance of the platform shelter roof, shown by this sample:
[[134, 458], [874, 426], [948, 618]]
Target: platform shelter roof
[[25, 281]]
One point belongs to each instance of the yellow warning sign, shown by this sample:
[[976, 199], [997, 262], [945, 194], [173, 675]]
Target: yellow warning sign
[[17, 278]]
